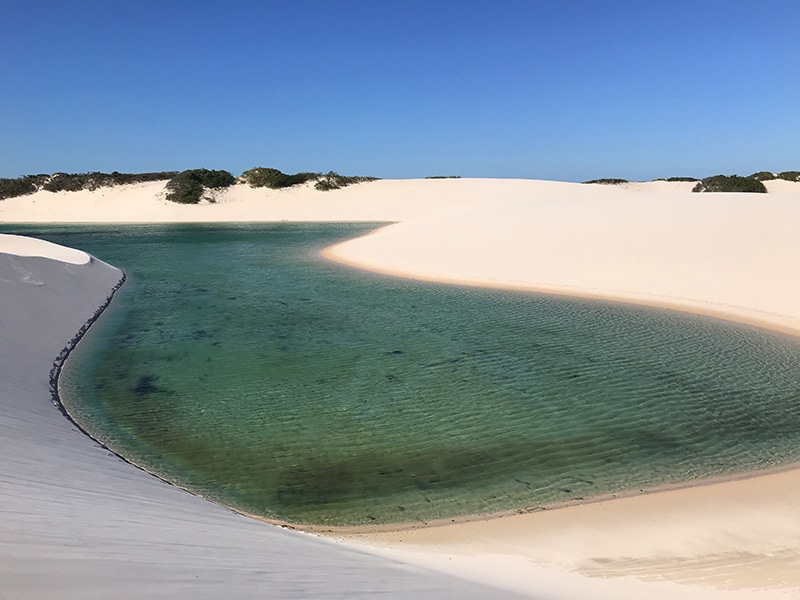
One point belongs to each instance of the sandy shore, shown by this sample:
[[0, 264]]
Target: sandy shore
[[726, 255]]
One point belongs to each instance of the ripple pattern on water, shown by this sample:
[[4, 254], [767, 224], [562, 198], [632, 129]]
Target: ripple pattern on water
[[239, 365]]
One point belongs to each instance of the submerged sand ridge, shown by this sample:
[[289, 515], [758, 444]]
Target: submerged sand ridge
[[729, 255]]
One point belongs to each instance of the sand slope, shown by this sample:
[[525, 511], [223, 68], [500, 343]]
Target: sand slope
[[731, 255], [25, 246]]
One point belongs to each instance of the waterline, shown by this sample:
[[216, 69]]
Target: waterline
[[241, 366]]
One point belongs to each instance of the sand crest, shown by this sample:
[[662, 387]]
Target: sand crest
[[25, 246]]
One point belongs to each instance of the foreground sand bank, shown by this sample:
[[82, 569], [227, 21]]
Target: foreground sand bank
[[729, 255], [732, 539]]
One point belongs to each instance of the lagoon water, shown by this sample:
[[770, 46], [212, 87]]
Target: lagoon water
[[239, 364]]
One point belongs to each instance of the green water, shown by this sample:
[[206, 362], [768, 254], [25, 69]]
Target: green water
[[237, 363]]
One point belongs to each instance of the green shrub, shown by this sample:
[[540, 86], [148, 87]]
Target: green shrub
[[216, 179], [763, 176], [675, 179], [326, 185], [334, 181], [21, 186], [444, 177], [74, 182], [275, 179], [187, 187], [9, 188], [730, 183], [790, 175], [117, 178], [71, 182], [608, 181]]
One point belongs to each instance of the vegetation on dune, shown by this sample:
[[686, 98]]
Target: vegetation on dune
[[118, 178], [790, 175], [607, 181], [769, 176], [722, 183], [187, 187], [275, 179], [730, 183], [21, 186], [74, 182], [334, 181]]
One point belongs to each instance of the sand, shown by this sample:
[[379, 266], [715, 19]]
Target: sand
[[727, 255], [25, 246]]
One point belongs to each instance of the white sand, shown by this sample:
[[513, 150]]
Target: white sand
[[732, 255], [145, 203], [25, 246], [729, 255]]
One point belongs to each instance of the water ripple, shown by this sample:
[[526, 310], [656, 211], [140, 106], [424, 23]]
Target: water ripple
[[240, 366]]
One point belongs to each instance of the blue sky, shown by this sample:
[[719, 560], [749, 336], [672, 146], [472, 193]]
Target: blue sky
[[550, 89]]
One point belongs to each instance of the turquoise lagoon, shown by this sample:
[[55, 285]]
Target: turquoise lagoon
[[240, 365]]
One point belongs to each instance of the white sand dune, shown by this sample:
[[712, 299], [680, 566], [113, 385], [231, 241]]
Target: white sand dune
[[25, 246], [730, 255], [726, 255]]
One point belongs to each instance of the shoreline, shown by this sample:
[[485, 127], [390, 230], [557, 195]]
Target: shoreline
[[56, 397], [63, 356], [345, 531], [739, 316]]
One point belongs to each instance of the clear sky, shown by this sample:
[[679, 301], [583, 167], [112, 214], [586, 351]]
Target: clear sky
[[546, 89]]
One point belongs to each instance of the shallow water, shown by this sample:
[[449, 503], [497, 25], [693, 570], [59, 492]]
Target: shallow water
[[237, 363]]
